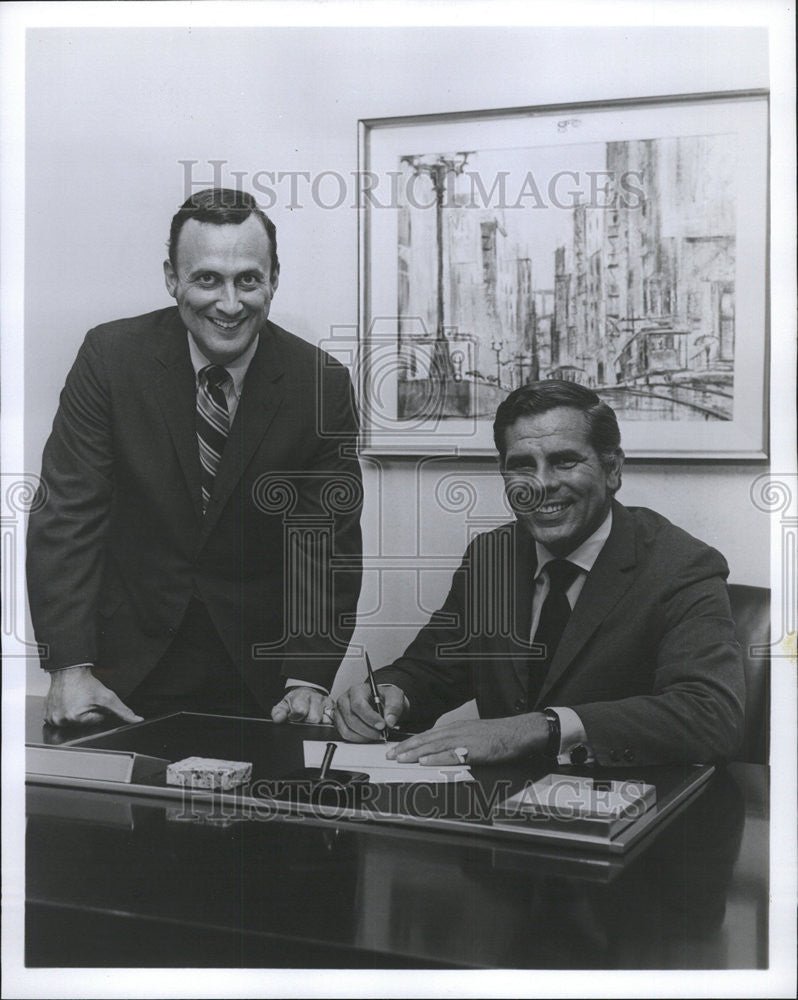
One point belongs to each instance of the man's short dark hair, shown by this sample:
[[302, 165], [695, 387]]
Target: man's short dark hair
[[539, 397], [221, 207]]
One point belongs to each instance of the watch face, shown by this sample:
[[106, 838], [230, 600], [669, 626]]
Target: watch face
[[578, 755]]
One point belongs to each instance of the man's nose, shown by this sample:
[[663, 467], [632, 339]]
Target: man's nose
[[228, 299], [549, 480]]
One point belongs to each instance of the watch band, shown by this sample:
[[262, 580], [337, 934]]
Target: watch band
[[553, 743]]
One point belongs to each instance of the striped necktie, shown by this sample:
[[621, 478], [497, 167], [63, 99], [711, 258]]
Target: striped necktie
[[213, 425]]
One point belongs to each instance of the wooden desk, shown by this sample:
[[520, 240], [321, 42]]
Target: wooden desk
[[115, 881]]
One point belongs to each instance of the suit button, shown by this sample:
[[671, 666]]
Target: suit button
[[519, 705], [170, 630], [628, 754], [614, 755]]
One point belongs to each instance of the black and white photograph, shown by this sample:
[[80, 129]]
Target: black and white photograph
[[399, 499]]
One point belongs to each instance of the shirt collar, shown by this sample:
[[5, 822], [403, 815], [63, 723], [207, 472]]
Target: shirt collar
[[237, 367], [586, 554]]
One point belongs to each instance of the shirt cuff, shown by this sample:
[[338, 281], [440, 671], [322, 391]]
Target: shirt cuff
[[572, 737], [69, 666], [293, 683]]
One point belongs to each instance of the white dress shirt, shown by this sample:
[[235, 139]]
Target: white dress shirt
[[237, 369]]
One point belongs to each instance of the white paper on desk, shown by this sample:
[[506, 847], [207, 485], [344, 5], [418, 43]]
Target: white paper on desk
[[370, 758]]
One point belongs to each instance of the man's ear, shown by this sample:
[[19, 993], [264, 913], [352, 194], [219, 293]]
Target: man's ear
[[613, 469], [170, 277], [274, 281]]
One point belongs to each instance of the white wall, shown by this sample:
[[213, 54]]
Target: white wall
[[112, 112]]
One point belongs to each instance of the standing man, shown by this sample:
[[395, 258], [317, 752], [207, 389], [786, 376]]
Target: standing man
[[198, 547], [587, 631]]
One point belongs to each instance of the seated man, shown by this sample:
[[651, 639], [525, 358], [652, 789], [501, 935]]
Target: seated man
[[585, 630]]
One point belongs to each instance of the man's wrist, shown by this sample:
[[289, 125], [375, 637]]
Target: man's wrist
[[574, 745], [531, 734]]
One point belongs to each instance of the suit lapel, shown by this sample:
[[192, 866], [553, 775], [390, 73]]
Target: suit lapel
[[524, 566], [261, 398], [606, 583], [175, 389]]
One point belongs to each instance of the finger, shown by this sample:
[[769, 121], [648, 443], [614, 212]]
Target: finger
[[351, 727], [346, 732], [365, 721], [62, 720], [90, 718], [280, 711], [445, 758], [350, 724], [299, 702], [408, 745], [411, 750], [328, 712], [393, 703], [365, 716], [315, 709], [115, 706]]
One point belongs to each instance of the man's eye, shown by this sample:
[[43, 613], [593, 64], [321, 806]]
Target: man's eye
[[248, 280], [207, 279], [568, 463]]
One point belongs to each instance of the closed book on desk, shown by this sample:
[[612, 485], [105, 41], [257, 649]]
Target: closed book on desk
[[600, 807]]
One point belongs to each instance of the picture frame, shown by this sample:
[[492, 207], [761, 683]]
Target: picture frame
[[621, 244]]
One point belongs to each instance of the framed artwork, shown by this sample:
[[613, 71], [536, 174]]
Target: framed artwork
[[622, 245]]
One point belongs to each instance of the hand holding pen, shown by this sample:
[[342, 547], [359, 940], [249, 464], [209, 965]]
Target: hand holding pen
[[365, 712], [375, 695]]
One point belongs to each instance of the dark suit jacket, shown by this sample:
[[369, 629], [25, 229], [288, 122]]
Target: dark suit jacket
[[120, 543], [648, 659]]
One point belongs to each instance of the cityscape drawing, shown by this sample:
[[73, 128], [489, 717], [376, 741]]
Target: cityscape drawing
[[611, 264]]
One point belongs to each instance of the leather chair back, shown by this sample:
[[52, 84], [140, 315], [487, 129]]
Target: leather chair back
[[750, 608]]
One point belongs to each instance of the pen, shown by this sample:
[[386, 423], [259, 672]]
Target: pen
[[375, 695], [325, 764]]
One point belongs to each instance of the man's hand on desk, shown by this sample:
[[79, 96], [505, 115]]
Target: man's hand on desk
[[304, 704], [359, 721], [488, 741], [77, 698]]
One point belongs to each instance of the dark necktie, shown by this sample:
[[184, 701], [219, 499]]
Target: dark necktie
[[554, 617], [213, 425]]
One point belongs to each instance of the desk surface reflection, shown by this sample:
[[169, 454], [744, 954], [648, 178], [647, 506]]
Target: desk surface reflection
[[115, 880]]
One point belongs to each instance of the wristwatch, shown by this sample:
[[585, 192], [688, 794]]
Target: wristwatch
[[553, 743]]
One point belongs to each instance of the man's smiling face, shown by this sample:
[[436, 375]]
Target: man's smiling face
[[223, 284], [549, 459]]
